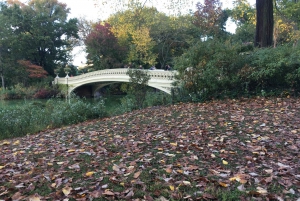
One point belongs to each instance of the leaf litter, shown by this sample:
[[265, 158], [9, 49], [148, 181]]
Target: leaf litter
[[193, 151]]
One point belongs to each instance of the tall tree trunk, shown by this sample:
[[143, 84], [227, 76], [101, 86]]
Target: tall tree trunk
[[264, 23]]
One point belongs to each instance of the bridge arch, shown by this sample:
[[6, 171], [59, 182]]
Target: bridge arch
[[159, 79]]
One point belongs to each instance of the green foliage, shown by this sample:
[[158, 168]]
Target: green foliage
[[37, 116], [38, 31], [157, 98], [224, 69], [138, 86]]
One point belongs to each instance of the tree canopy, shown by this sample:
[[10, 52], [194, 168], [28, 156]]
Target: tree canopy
[[39, 32]]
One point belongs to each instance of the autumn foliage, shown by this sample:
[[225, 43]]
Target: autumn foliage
[[33, 70], [103, 47]]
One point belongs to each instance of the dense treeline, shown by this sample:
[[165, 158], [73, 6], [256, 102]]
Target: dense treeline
[[36, 40]]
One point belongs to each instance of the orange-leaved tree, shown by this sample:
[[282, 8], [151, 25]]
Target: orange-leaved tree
[[34, 71]]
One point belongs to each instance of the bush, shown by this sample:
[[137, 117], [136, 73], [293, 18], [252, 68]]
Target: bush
[[216, 69], [37, 116], [45, 93]]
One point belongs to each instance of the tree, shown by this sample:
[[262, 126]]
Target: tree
[[39, 32], [244, 16], [138, 85], [133, 29], [34, 71], [210, 18], [103, 48], [286, 28], [264, 23]]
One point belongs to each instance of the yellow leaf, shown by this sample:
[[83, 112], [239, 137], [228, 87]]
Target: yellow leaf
[[160, 149], [223, 184], [187, 183], [50, 164], [180, 171], [60, 163], [122, 184], [16, 142], [66, 190], [225, 162], [5, 143], [137, 174], [71, 150], [173, 144], [172, 188], [1, 167], [213, 155], [88, 174]]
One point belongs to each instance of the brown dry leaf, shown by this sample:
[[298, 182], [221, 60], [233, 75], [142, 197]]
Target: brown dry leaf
[[16, 196], [137, 174], [96, 194], [262, 191], [116, 168], [34, 197], [169, 170], [108, 192]]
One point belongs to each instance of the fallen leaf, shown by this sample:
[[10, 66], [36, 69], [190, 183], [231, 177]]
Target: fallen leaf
[[116, 168], [224, 162], [66, 190], [137, 174], [88, 174], [172, 188], [241, 188], [34, 197], [173, 144], [187, 183], [223, 184], [107, 192], [262, 191], [169, 170]]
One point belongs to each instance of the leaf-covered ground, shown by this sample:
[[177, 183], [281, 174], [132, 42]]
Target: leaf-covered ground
[[224, 150]]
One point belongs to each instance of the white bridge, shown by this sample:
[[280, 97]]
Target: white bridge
[[159, 79]]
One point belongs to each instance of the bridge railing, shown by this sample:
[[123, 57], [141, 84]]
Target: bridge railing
[[154, 74]]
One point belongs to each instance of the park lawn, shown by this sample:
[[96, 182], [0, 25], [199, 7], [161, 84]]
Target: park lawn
[[245, 149]]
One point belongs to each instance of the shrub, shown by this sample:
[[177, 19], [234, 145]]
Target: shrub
[[45, 93], [221, 69], [37, 116]]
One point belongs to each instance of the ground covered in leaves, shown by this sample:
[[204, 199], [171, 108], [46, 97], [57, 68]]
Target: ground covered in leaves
[[244, 149]]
